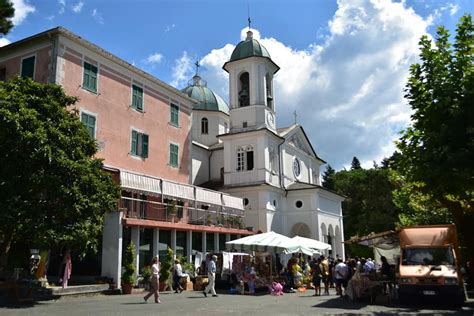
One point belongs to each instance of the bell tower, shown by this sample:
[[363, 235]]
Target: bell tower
[[251, 71]]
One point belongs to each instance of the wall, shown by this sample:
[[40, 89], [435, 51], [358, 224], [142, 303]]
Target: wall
[[200, 165], [115, 118]]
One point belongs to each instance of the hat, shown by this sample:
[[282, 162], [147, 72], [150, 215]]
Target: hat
[[214, 257]]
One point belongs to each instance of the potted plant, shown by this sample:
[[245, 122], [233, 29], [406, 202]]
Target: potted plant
[[146, 276], [128, 277], [166, 269]]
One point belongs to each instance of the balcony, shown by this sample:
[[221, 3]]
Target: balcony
[[150, 198]]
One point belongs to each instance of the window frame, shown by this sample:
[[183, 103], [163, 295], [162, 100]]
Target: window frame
[[132, 104], [171, 121], [34, 66], [90, 114], [93, 90], [204, 126], [142, 144], [170, 162]]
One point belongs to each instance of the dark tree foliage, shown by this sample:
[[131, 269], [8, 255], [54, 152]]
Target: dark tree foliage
[[368, 206], [328, 178], [438, 149], [6, 14], [355, 164], [53, 191]]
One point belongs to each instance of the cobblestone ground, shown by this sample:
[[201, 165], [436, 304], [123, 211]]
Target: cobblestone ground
[[194, 303]]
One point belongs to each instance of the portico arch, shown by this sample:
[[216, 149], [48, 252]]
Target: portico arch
[[301, 229]]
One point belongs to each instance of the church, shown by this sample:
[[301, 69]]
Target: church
[[238, 149]]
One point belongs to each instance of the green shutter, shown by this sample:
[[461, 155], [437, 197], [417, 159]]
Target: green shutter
[[89, 122], [137, 98], [28, 67], [134, 142], [90, 77], [145, 146], [174, 155], [174, 114]]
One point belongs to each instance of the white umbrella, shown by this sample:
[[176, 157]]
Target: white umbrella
[[269, 241], [311, 243]]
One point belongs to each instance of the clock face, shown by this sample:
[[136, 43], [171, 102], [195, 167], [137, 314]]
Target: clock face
[[296, 168], [270, 119]]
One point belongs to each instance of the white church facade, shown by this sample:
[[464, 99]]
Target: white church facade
[[238, 149]]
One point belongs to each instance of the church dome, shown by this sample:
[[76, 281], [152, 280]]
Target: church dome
[[208, 100], [249, 48]]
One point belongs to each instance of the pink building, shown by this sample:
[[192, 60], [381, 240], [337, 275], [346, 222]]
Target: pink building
[[143, 129]]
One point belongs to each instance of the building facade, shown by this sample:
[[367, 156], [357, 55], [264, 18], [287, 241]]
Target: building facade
[[143, 128], [276, 171]]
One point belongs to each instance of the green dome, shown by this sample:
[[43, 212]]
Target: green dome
[[248, 48], [208, 100]]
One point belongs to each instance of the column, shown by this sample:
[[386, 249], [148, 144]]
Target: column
[[112, 247], [136, 241], [189, 245], [173, 242], [216, 242], [204, 243], [156, 242]]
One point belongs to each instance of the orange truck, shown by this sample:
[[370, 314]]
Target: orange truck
[[430, 264]]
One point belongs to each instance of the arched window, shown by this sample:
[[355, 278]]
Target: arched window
[[269, 90], [204, 126], [244, 91]]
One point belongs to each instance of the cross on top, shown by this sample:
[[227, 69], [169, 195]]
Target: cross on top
[[197, 66], [296, 115]]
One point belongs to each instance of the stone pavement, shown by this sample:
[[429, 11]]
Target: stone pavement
[[194, 303]]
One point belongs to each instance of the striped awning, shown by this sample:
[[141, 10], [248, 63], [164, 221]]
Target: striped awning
[[233, 202], [207, 196], [182, 191], [139, 183]]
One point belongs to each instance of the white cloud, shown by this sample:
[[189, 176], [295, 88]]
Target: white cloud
[[154, 58], [4, 41], [182, 70], [453, 8], [348, 91], [169, 27], [62, 6], [78, 7], [97, 16], [22, 9]]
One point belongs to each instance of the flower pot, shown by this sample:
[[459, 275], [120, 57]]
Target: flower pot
[[127, 288], [163, 286]]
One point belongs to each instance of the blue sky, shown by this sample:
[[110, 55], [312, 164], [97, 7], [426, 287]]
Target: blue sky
[[343, 63]]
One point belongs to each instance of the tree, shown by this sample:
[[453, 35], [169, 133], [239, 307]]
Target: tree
[[7, 11], [355, 164], [368, 206], [328, 178], [52, 190], [438, 149]]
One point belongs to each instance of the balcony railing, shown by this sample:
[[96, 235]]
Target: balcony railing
[[179, 211]]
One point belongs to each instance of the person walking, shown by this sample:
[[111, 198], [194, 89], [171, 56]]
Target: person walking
[[177, 275], [317, 276], [66, 268], [211, 274], [155, 270], [325, 274]]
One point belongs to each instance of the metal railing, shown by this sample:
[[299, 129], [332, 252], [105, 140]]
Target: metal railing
[[178, 211]]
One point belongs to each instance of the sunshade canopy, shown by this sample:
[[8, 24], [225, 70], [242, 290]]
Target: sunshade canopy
[[269, 242], [311, 243]]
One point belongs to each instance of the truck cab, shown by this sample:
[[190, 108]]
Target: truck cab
[[430, 264]]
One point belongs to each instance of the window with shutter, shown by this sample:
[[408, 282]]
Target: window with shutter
[[139, 144], [174, 114], [89, 81], [89, 121], [137, 98], [28, 67], [174, 149]]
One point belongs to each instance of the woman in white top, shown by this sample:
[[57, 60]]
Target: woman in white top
[[155, 270]]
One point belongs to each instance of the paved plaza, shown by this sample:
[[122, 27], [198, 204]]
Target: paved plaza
[[194, 303]]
